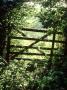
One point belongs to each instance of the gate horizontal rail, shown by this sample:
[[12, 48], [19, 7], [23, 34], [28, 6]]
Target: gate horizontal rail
[[40, 30], [43, 48], [28, 59], [25, 38], [43, 54]]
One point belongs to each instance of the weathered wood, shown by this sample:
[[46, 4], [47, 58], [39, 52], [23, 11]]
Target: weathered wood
[[13, 55], [30, 59], [34, 39], [43, 48], [28, 53], [39, 30]]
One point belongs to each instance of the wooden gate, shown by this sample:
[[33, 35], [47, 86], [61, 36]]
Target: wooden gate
[[34, 44]]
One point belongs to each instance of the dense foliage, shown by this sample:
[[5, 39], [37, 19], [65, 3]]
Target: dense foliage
[[34, 75], [23, 75]]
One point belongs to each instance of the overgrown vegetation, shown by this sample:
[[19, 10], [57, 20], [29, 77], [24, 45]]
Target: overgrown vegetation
[[49, 74], [24, 75]]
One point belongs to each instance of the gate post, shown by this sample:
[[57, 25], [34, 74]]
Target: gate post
[[8, 43], [8, 48]]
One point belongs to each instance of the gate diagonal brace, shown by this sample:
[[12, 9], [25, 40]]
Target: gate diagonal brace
[[26, 37], [25, 49]]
